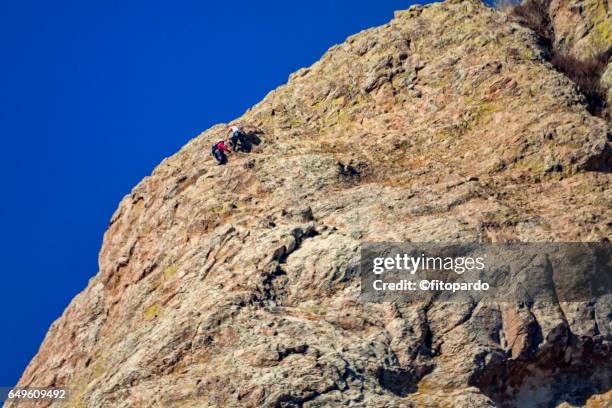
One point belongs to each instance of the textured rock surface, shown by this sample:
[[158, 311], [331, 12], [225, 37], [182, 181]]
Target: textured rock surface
[[238, 285], [583, 28]]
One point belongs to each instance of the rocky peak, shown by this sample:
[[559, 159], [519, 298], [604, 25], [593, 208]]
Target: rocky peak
[[237, 285]]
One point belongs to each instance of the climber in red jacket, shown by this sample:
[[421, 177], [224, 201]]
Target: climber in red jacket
[[219, 151]]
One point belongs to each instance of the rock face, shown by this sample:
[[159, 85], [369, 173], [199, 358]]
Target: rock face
[[238, 285], [583, 29]]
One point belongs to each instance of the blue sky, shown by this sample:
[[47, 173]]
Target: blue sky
[[95, 94]]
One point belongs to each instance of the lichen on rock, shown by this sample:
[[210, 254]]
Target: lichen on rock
[[238, 285]]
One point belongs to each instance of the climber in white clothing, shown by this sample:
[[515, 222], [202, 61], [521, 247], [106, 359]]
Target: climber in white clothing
[[236, 135]]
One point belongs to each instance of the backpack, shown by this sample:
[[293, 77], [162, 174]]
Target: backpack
[[213, 150]]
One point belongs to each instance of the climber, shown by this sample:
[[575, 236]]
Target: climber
[[237, 135], [219, 150]]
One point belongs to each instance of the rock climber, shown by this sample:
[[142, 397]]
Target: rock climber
[[236, 135], [219, 151]]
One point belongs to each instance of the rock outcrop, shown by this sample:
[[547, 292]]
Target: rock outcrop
[[582, 27], [577, 29], [238, 285]]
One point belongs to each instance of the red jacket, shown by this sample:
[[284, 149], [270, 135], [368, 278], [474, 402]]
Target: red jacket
[[221, 146]]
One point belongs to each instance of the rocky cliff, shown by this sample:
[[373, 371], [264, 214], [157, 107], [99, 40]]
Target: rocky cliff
[[238, 285], [584, 29], [577, 33]]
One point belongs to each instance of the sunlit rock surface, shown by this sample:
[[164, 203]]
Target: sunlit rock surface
[[238, 285]]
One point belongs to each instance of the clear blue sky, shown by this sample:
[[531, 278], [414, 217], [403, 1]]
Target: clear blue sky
[[95, 94]]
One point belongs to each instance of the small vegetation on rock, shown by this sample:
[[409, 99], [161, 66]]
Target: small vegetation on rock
[[586, 72], [587, 75]]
